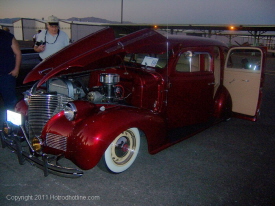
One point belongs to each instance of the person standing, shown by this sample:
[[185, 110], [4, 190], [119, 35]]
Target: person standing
[[35, 36], [10, 60], [51, 40]]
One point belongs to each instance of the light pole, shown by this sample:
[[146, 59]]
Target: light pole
[[121, 12]]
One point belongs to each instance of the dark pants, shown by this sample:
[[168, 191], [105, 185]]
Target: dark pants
[[8, 93]]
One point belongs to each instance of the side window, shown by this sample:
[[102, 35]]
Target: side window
[[244, 59], [193, 62]]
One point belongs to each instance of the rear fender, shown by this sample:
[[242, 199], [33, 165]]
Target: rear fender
[[223, 104]]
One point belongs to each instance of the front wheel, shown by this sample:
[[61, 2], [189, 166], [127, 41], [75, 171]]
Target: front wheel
[[122, 152]]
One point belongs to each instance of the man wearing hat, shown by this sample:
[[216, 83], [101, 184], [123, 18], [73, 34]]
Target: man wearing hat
[[51, 40]]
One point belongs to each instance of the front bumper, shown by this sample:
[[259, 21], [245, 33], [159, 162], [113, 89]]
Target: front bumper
[[48, 163]]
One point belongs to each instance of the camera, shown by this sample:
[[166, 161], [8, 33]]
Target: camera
[[40, 43]]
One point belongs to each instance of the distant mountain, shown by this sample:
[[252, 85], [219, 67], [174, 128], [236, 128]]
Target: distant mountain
[[86, 19], [94, 19], [8, 20]]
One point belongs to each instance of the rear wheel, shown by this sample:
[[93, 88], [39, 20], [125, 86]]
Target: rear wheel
[[122, 152]]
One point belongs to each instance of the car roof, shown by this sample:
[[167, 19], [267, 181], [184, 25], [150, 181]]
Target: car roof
[[194, 41]]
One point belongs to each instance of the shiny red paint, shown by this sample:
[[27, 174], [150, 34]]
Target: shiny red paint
[[223, 104], [22, 108], [89, 137]]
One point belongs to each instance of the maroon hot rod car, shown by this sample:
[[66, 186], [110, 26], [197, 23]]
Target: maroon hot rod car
[[90, 101]]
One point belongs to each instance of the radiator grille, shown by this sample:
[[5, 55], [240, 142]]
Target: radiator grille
[[41, 109], [56, 141]]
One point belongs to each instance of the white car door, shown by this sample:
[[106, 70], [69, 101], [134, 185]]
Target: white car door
[[243, 77]]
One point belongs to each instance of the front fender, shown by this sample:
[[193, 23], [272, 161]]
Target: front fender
[[21, 107], [88, 139]]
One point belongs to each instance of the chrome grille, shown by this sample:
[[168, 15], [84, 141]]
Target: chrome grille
[[56, 141], [41, 109]]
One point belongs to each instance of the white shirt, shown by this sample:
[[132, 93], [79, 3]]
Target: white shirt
[[53, 43]]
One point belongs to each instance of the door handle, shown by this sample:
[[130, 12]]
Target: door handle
[[245, 80], [212, 83]]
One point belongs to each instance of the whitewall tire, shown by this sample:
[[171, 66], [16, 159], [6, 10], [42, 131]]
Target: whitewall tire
[[122, 152]]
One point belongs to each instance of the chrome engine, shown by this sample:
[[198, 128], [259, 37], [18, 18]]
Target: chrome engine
[[70, 88], [109, 92]]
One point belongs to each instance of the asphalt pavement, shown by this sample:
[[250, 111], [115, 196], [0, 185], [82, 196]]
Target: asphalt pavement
[[232, 163]]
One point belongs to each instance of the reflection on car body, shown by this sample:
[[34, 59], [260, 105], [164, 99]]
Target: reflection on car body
[[91, 100]]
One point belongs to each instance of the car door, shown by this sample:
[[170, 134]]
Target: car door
[[190, 96], [243, 78]]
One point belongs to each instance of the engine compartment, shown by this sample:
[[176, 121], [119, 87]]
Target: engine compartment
[[108, 92], [114, 85]]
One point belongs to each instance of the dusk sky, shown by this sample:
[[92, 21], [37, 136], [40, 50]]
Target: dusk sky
[[253, 12]]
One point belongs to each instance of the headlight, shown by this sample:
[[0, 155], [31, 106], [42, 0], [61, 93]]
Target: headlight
[[13, 121], [36, 144], [70, 111], [14, 118]]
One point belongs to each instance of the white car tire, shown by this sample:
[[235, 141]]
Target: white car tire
[[122, 152]]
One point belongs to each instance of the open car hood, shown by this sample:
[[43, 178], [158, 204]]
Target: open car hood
[[97, 50]]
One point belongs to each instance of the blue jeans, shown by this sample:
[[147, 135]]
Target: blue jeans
[[8, 91]]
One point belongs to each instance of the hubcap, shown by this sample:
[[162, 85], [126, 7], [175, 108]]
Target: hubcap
[[124, 148]]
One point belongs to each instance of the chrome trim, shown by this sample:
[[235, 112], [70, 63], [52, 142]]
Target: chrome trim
[[41, 108], [56, 141]]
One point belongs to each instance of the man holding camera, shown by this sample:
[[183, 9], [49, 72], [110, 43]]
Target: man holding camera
[[51, 40]]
